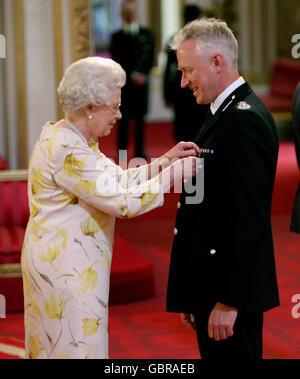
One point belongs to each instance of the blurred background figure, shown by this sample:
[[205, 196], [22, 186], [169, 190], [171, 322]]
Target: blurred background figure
[[133, 48], [188, 115], [296, 122]]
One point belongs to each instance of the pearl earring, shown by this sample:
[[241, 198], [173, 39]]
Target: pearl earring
[[90, 117]]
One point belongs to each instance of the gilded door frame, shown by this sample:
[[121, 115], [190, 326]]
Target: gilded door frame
[[81, 28]]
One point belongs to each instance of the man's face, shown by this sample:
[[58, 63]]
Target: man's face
[[129, 13], [198, 72]]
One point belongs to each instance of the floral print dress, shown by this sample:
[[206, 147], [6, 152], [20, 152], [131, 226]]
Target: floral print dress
[[75, 194]]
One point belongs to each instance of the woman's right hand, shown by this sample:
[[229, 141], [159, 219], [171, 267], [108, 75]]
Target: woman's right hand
[[186, 168], [181, 170], [182, 150]]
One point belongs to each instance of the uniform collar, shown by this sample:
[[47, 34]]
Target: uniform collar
[[224, 95], [232, 100]]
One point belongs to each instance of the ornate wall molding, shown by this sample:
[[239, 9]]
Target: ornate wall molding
[[81, 29]]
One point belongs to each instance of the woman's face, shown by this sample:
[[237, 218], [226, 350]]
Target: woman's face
[[106, 116]]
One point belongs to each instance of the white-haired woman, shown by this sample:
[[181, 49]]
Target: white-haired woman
[[75, 194]]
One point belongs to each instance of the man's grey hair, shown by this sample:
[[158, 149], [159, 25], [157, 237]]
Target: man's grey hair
[[211, 34], [90, 81]]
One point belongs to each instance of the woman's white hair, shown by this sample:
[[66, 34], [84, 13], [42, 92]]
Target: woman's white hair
[[211, 34], [90, 81]]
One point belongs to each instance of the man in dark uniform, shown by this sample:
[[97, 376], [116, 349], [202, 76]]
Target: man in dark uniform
[[222, 274], [188, 115], [133, 48], [296, 121]]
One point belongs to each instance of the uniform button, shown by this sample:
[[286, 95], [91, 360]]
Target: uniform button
[[213, 252], [179, 205], [175, 232]]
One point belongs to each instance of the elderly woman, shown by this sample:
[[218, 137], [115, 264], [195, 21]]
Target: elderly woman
[[75, 194]]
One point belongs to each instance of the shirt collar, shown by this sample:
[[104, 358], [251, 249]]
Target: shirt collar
[[223, 96], [133, 28]]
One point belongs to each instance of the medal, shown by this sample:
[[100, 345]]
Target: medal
[[206, 151]]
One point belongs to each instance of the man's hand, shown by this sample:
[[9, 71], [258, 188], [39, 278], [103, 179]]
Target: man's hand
[[188, 320], [221, 322]]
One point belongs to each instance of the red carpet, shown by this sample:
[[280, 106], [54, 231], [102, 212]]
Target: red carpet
[[287, 179], [143, 329]]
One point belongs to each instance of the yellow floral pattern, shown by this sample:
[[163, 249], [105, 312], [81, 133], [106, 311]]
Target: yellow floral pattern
[[90, 327], [73, 166], [89, 279], [35, 347], [67, 251], [53, 309]]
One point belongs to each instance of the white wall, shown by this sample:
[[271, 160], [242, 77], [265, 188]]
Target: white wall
[[170, 15], [143, 12], [158, 112], [67, 50], [10, 92], [40, 67]]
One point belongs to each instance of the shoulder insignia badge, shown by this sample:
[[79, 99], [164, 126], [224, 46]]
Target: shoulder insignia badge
[[243, 106]]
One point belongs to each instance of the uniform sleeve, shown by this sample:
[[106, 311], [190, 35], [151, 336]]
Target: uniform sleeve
[[89, 177], [246, 182]]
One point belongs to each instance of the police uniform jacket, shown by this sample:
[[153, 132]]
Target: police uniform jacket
[[223, 248]]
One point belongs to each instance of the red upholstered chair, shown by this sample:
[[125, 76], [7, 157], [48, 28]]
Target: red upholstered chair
[[14, 214], [3, 164], [284, 80]]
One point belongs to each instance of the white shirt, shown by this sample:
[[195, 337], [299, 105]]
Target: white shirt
[[221, 98], [133, 28]]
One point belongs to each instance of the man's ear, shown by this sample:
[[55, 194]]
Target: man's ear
[[218, 62]]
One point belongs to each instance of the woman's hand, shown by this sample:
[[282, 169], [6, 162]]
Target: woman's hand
[[183, 150], [186, 168], [181, 170]]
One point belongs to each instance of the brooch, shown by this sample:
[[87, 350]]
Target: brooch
[[243, 106]]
